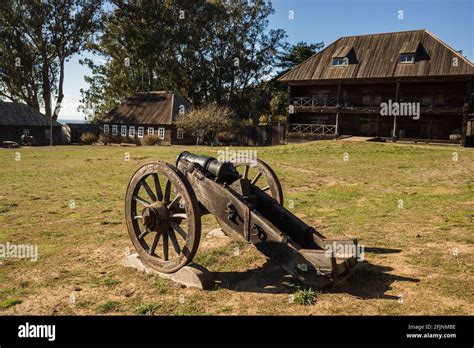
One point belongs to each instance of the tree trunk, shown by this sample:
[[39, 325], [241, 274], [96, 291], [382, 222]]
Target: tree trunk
[[60, 89], [46, 83]]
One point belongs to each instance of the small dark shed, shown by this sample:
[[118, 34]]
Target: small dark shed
[[75, 131], [17, 119]]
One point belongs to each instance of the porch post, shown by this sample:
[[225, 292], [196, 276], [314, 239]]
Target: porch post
[[465, 112], [287, 130], [394, 132], [337, 108]]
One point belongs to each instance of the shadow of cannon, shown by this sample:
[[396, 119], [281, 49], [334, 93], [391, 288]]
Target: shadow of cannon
[[368, 281]]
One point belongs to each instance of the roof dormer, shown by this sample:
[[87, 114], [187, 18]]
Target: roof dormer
[[343, 56], [408, 51]]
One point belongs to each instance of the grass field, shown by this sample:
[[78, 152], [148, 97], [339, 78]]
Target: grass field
[[412, 207]]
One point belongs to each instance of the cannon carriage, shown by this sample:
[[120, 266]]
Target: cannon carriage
[[165, 202]]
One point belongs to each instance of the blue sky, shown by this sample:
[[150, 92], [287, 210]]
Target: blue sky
[[327, 20]]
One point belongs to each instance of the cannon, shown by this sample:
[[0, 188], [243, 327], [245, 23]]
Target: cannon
[[165, 202]]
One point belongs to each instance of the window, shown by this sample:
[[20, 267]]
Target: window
[[407, 58], [47, 133], [114, 129], [106, 129], [151, 130], [180, 134], [161, 133], [26, 132], [341, 61], [141, 130], [131, 131], [123, 131]]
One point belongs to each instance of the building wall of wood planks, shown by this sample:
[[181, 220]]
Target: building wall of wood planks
[[14, 133], [359, 107], [170, 133], [263, 135]]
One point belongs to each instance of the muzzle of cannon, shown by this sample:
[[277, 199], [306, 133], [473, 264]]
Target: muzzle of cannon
[[164, 205]]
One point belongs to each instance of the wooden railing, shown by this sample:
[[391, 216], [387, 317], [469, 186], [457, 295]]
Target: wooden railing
[[372, 101], [312, 128], [314, 101]]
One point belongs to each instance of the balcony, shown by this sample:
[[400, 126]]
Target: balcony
[[313, 101], [371, 103]]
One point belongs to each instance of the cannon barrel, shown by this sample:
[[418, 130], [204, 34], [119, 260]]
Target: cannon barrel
[[222, 171]]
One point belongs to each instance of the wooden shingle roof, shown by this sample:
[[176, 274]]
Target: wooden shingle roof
[[377, 56], [409, 47], [19, 114], [148, 108], [341, 51]]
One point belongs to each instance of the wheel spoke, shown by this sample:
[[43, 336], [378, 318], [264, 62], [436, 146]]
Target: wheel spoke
[[155, 243], [165, 246], [266, 188], [180, 215], [175, 200], [159, 193], [144, 233], [174, 241], [259, 174], [136, 217], [167, 191], [178, 229], [246, 171], [148, 190], [141, 201]]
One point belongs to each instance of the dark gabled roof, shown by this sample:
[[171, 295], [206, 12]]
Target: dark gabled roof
[[19, 114], [377, 56], [148, 108]]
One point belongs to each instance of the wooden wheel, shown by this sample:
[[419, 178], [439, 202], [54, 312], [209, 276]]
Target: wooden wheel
[[163, 217], [262, 175]]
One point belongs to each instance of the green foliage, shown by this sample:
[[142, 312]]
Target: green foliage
[[108, 306], [88, 138], [279, 103], [147, 308], [298, 53], [263, 119], [9, 303], [38, 37], [110, 282], [207, 51], [226, 137], [211, 118], [305, 297]]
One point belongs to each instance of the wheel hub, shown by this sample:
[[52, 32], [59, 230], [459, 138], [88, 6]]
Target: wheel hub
[[156, 217]]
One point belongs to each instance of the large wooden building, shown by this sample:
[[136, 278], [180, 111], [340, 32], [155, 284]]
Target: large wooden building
[[346, 88], [17, 119], [148, 113]]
